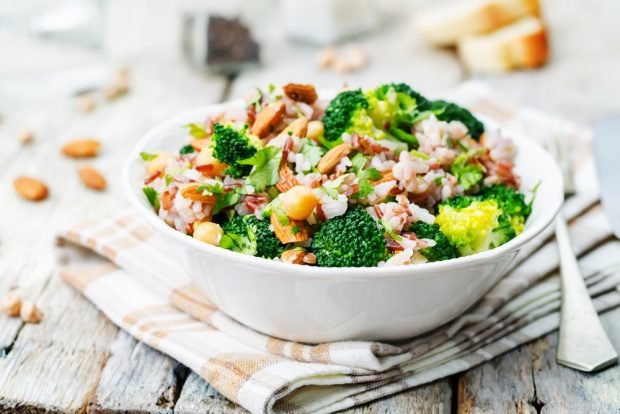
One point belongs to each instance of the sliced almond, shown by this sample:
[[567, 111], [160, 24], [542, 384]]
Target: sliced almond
[[329, 161], [301, 92], [11, 304], [31, 188], [287, 179], [293, 232], [191, 191], [92, 178], [267, 119], [30, 313], [297, 128], [81, 148], [166, 200], [385, 177], [315, 130], [293, 256]]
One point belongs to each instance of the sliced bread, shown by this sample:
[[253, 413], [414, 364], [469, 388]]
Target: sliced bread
[[446, 24], [522, 44]]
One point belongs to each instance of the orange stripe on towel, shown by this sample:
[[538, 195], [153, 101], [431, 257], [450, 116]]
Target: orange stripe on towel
[[81, 277]]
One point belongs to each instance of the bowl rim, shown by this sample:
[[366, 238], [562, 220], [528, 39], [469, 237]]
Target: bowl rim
[[419, 269]]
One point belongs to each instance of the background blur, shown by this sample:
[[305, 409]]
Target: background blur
[[52, 48]]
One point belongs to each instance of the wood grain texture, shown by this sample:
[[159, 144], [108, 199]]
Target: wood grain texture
[[198, 396], [56, 365], [434, 398], [137, 378], [528, 380]]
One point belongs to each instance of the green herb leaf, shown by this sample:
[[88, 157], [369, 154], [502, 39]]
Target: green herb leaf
[[197, 131], [331, 187], [311, 152], [147, 157], [364, 178], [266, 163], [187, 149], [358, 162], [225, 199], [152, 196], [467, 174]]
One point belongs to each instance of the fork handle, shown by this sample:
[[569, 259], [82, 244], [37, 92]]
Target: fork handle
[[582, 342]]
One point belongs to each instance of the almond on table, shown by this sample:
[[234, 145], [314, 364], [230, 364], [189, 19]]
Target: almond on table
[[92, 178], [81, 148], [31, 188]]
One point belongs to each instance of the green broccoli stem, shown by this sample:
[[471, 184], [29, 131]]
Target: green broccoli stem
[[403, 136]]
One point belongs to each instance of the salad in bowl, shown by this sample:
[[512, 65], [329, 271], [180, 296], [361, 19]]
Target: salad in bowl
[[377, 177]]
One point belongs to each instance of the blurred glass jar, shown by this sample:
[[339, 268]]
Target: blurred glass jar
[[74, 22], [323, 22]]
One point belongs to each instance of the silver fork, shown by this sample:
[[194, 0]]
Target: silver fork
[[582, 341]]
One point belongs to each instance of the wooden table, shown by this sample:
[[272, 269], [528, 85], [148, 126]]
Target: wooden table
[[77, 361]]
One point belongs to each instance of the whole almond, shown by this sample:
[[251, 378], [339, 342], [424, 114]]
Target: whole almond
[[26, 137], [301, 92], [92, 178], [30, 188], [81, 148], [30, 313], [11, 304], [268, 118], [332, 157]]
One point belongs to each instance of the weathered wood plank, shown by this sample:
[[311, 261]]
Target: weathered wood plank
[[434, 398], [27, 232], [528, 380], [137, 378], [55, 366], [198, 396]]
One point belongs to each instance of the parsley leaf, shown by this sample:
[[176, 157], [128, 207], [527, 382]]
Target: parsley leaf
[[466, 173], [225, 199], [358, 162], [147, 157], [186, 149], [364, 178], [152, 196], [266, 164], [312, 153], [197, 131], [331, 187]]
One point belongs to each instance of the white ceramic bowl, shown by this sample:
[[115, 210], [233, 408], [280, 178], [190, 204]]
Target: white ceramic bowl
[[313, 304]]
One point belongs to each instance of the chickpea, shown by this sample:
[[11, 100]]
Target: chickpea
[[298, 202], [208, 232], [315, 130], [158, 163], [205, 158]]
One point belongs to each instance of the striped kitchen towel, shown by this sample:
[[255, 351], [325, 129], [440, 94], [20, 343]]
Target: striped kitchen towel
[[149, 296]]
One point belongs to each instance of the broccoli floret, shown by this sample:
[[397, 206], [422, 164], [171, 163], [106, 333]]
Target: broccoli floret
[[472, 228], [348, 111], [252, 236], [230, 147], [515, 210], [402, 88], [443, 249], [397, 107], [447, 111], [350, 240], [484, 221]]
